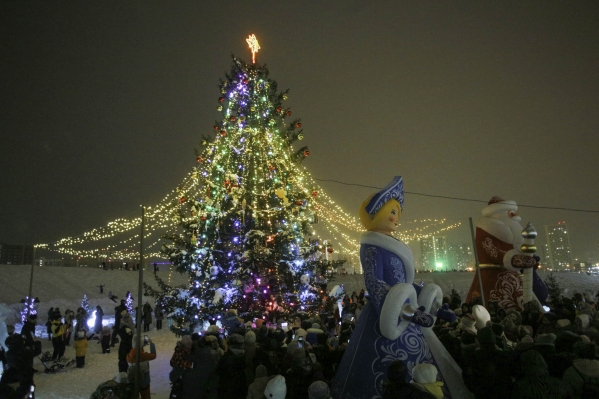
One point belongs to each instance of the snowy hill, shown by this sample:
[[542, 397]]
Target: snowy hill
[[65, 286]]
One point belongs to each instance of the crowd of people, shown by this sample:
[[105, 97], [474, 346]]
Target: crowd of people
[[533, 353]]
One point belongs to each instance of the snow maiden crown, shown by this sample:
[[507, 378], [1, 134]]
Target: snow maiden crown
[[392, 190]]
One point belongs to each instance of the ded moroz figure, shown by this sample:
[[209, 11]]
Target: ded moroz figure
[[396, 322]]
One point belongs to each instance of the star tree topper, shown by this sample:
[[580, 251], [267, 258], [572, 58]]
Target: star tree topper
[[254, 46]]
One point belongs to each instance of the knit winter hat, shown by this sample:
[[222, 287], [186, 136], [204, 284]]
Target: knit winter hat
[[481, 315], [213, 329], [424, 373], [300, 333], [397, 371], [527, 339], [210, 338], [250, 337], [186, 341], [585, 350], [276, 388], [545, 339], [81, 334], [261, 371], [319, 390], [236, 340], [533, 364], [121, 378], [299, 354], [486, 336]]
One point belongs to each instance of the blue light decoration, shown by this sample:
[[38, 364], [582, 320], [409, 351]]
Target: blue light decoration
[[29, 305]]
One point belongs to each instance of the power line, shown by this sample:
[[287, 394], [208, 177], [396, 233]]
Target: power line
[[460, 199]]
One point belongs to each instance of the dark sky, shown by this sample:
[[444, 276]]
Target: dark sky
[[102, 103]]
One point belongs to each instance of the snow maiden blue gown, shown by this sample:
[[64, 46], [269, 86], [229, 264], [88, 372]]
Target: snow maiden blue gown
[[382, 335]]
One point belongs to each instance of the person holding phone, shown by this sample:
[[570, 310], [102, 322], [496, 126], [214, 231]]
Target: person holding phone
[[143, 374]]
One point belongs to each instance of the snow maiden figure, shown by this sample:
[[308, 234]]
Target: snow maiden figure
[[395, 324]]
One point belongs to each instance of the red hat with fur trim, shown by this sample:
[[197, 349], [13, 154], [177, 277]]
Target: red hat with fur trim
[[498, 204]]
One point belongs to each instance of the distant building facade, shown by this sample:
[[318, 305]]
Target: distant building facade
[[460, 256], [16, 254], [433, 253], [559, 254]]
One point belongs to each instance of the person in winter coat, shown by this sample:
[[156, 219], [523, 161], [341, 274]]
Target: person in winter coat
[[99, 316], [147, 316], [69, 317], [127, 320], [583, 375], [231, 322], [125, 346], [159, 315], [143, 374], [19, 361], [28, 330], [117, 321], [59, 330], [537, 383], [230, 370], [197, 380], [104, 339], [488, 372], [396, 386], [81, 320], [425, 376], [80, 346], [49, 323], [256, 388]]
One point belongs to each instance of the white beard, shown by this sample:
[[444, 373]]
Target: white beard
[[514, 226]]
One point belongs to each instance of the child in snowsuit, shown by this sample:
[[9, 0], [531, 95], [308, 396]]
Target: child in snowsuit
[[104, 339], [80, 345]]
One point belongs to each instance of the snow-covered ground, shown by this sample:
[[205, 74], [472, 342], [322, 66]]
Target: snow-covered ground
[[65, 287]]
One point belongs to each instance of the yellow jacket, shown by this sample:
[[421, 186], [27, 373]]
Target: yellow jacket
[[80, 347]]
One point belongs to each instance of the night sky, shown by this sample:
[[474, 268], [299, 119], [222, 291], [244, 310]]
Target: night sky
[[103, 103]]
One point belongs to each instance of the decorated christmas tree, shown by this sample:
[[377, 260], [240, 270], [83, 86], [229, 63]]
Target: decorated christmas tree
[[86, 306], [129, 302], [29, 308], [246, 243]]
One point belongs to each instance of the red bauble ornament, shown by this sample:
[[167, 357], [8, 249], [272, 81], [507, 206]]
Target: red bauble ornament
[[299, 202], [200, 159], [330, 250], [223, 133], [216, 127], [271, 167], [227, 182], [279, 109], [221, 99], [298, 125], [182, 199], [288, 113], [315, 193], [203, 218], [246, 80], [232, 118], [306, 153]]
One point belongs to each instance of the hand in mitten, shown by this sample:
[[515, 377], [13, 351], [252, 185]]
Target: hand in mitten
[[524, 262], [446, 314], [422, 318]]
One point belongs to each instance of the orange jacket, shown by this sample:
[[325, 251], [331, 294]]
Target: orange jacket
[[143, 356]]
